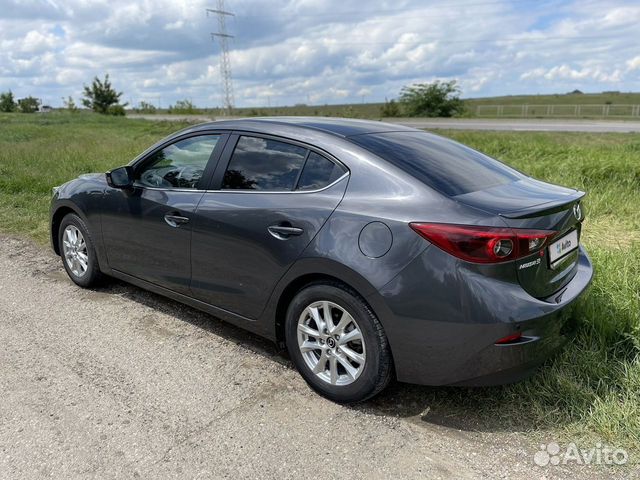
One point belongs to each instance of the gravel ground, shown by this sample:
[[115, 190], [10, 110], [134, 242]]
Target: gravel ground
[[119, 382]]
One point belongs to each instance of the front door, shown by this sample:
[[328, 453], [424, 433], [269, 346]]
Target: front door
[[271, 199], [147, 230]]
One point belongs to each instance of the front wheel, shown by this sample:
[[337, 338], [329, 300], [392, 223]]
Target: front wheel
[[77, 251], [337, 343]]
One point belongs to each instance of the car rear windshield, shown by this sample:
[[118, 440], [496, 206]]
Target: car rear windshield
[[447, 166]]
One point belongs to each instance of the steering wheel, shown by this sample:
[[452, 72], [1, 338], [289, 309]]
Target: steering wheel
[[153, 179]]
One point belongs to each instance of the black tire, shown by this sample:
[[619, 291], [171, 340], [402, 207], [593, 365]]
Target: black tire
[[92, 276], [378, 366]]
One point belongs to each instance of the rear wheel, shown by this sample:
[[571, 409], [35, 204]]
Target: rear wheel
[[337, 343], [77, 252]]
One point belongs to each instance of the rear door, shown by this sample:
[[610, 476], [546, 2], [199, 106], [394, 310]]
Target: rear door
[[269, 197]]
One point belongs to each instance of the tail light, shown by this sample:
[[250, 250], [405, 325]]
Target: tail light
[[513, 338], [484, 244]]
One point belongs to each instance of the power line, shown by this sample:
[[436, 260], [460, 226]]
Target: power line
[[225, 60], [389, 11], [419, 41], [479, 40]]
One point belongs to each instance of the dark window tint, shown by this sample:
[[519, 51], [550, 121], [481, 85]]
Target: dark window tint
[[180, 165], [264, 164], [443, 164], [318, 172]]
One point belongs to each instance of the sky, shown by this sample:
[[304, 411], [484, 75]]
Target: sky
[[317, 51]]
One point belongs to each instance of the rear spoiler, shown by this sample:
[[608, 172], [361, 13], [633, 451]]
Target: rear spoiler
[[545, 208]]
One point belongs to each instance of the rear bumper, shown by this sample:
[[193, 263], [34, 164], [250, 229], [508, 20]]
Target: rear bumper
[[442, 329]]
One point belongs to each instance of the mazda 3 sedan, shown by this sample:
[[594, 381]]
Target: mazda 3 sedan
[[372, 251]]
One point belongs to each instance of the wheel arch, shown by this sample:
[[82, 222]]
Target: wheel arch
[[313, 270], [290, 292], [56, 219]]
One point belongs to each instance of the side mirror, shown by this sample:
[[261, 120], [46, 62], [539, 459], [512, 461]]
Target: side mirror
[[121, 177]]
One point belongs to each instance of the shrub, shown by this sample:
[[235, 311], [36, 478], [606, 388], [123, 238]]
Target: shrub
[[146, 107], [28, 105], [183, 107], [101, 96], [116, 110], [437, 99], [7, 103], [390, 109], [69, 104]]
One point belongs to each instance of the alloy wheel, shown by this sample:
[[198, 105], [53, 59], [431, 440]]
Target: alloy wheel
[[74, 249], [331, 343]]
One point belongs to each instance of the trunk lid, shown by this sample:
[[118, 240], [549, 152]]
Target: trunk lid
[[532, 204], [519, 198]]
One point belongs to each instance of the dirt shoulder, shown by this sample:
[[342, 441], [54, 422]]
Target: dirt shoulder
[[122, 382]]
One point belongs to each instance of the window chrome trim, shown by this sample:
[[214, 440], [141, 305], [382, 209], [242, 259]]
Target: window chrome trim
[[238, 190], [172, 189]]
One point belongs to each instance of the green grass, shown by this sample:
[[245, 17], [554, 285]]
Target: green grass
[[591, 390], [622, 98], [38, 152], [512, 103]]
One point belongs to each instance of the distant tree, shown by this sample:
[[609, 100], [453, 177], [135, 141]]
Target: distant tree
[[100, 96], [437, 99], [7, 103], [70, 104], [28, 105], [116, 110], [146, 107], [390, 108], [183, 107]]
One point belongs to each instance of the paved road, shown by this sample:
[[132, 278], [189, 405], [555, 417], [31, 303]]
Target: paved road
[[119, 382], [536, 125], [530, 125]]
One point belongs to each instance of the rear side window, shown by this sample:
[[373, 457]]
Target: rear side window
[[263, 164], [446, 166], [318, 172]]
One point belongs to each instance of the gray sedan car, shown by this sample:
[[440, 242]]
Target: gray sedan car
[[372, 251]]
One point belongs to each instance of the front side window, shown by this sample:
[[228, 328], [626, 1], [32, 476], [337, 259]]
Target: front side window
[[264, 164], [180, 165]]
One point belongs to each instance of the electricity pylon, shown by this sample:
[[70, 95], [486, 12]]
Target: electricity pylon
[[225, 61]]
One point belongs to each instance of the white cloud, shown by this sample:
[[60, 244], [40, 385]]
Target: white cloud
[[634, 63], [320, 52], [565, 72], [35, 42], [177, 25]]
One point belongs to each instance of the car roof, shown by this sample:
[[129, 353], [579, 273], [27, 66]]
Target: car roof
[[342, 127]]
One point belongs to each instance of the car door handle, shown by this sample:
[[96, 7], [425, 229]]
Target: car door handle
[[282, 232], [174, 220]]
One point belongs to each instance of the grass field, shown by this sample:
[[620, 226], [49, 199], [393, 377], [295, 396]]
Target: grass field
[[512, 105], [591, 390]]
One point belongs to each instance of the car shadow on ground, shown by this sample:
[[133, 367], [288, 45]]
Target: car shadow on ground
[[459, 408]]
